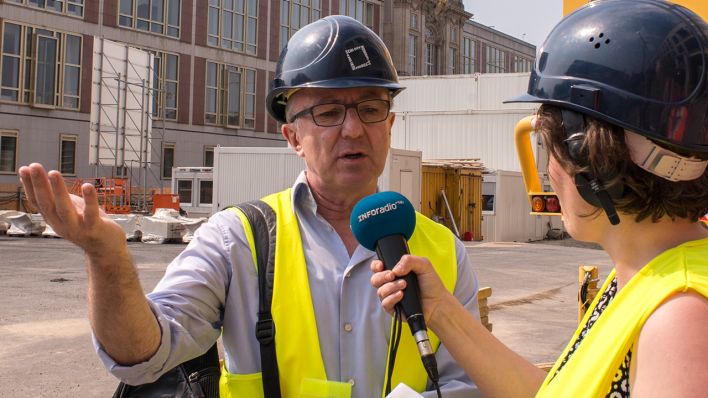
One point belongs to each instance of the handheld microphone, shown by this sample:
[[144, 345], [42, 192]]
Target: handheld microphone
[[383, 222]]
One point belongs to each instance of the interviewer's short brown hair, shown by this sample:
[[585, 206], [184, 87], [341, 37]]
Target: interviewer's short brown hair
[[645, 194]]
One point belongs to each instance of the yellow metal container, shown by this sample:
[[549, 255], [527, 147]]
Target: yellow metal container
[[463, 191]]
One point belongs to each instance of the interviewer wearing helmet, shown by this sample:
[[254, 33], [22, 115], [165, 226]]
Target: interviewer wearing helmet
[[624, 116], [332, 91]]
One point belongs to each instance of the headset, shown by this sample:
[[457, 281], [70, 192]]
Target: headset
[[590, 186]]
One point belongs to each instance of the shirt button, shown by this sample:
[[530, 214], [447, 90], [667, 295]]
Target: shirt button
[[348, 327], [351, 381]]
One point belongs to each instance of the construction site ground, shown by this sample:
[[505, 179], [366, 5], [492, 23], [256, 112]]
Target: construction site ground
[[46, 348]]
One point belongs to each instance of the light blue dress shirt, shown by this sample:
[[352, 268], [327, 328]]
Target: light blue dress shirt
[[213, 283]]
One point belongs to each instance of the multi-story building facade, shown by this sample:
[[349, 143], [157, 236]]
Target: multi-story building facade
[[213, 63]]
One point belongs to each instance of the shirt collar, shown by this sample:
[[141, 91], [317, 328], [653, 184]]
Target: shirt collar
[[302, 198]]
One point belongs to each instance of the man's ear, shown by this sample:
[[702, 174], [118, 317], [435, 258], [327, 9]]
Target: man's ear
[[289, 131]]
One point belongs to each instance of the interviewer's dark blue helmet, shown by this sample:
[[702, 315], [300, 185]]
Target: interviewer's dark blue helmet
[[332, 52], [641, 65]]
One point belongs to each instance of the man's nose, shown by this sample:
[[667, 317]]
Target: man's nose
[[352, 126]]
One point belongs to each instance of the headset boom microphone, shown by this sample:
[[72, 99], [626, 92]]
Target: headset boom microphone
[[383, 222]]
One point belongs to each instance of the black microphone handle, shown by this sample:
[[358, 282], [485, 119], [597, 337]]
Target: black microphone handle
[[390, 249]]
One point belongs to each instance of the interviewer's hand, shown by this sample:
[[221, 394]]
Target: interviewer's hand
[[78, 220], [390, 289]]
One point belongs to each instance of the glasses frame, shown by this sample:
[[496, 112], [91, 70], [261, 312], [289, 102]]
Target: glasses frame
[[354, 105]]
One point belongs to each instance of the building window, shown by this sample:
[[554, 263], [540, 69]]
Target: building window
[[469, 48], [165, 85], [45, 74], [205, 192], [67, 154], [412, 54], [168, 160], [209, 156], [521, 64], [360, 10], [414, 21], [430, 55], [488, 193], [233, 24], [495, 60], [453, 34], [230, 96], [294, 14], [452, 61], [155, 16], [74, 8], [8, 151], [184, 190], [40, 67]]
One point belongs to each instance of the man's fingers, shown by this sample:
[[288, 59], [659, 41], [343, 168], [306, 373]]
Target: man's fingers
[[43, 193], [26, 179], [64, 206], [91, 209]]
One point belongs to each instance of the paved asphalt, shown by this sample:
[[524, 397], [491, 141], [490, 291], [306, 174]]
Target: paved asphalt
[[46, 348]]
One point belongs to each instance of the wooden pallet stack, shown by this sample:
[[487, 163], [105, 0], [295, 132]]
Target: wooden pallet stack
[[482, 295]]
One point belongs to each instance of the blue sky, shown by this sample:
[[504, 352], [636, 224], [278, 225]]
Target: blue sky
[[530, 20]]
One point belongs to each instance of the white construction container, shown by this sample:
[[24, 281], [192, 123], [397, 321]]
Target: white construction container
[[462, 117], [194, 185], [505, 210], [242, 174]]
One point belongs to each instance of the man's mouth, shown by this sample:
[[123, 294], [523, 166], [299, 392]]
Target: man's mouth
[[353, 155]]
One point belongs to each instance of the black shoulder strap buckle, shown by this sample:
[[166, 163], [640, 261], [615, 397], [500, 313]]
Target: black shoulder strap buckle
[[265, 330]]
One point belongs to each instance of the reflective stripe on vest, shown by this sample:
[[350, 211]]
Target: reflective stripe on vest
[[590, 370], [303, 371]]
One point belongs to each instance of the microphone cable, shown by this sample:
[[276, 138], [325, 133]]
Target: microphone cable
[[393, 346], [393, 349]]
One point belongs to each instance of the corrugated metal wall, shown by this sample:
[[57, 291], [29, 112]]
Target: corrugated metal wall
[[242, 174], [462, 117]]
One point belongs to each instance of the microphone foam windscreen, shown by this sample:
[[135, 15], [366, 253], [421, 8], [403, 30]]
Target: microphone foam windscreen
[[382, 214]]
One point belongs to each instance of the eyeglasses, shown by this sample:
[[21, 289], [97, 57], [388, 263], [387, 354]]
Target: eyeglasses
[[329, 115]]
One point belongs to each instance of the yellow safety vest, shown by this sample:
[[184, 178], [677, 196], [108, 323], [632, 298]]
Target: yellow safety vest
[[302, 372], [590, 370]]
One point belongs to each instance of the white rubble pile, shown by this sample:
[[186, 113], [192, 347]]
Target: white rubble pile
[[24, 224], [162, 227], [129, 223], [49, 232], [4, 221], [166, 225]]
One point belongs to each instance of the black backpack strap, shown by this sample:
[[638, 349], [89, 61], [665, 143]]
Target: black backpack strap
[[263, 224]]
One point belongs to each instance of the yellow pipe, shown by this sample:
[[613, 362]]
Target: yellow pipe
[[522, 138]]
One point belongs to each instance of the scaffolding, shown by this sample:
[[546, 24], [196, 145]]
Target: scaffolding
[[122, 124]]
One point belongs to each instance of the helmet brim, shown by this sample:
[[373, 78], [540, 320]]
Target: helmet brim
[[524, 98]]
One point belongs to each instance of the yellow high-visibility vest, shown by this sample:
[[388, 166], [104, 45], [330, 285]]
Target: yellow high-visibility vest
[[590, 370], [302, 372]]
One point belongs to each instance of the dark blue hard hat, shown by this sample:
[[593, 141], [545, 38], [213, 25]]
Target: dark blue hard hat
[[332, 52], [641, 65]]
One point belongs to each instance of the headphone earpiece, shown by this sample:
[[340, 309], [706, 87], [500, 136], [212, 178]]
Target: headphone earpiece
[[590, 187]]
